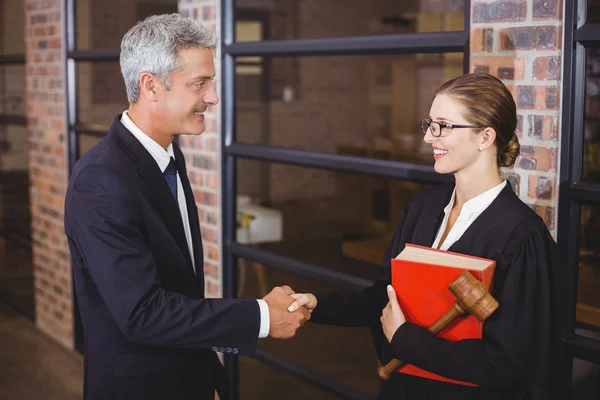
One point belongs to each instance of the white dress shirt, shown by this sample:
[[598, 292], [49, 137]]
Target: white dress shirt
[[469, 213], [162, 158]]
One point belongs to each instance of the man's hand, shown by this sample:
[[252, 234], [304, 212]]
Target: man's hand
[[392, 317], [284, 324], [307, 300]]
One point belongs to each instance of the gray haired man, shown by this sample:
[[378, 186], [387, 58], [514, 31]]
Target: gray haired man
[[133, 231]]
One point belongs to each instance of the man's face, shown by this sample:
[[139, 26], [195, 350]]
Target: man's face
[[192, 91]]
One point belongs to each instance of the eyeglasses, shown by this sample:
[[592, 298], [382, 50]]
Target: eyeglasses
[[436, 127]]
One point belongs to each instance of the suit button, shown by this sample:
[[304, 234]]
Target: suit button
[[215, 348], [222, 349], [235, 351], [228, 350]]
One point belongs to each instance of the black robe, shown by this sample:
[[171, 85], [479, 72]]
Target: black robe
[[514, 358]]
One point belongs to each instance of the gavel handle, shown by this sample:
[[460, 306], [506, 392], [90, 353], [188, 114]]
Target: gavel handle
[[386, 371]]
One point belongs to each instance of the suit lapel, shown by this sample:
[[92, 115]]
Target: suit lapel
[[432, 215], [151, 174], [192, 215]]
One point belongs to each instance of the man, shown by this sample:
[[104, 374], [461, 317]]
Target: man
[[132, 228]]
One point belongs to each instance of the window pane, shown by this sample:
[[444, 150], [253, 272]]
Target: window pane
[[588, 297], [12, 27], [101, 24], [16, 270], [368, 105], [259, 381], [586, 380], [343, 354], [12, 90], [101, 93], [293, 19], [339, 221], [593, 11], [591, 159], [86, 142]]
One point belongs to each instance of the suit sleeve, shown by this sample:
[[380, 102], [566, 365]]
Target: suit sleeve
[[513, 337], [104, 224], [363, 308]]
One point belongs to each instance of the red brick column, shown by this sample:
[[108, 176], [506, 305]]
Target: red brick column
[[48, 166], [203, 157], [520, 41]]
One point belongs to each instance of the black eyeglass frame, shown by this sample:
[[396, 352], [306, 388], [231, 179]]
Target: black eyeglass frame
[[426, 125]]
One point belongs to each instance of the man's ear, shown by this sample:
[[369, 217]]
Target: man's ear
[[487, 137], [150, 87]]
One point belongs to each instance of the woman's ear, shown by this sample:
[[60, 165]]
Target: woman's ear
[[487, 138]]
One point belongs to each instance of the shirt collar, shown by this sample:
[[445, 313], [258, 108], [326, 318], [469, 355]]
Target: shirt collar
[[160, 155], [477, 203]]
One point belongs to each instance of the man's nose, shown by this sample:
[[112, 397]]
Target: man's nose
[[211, 97]]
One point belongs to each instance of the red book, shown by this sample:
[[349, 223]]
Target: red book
[[420, 277]]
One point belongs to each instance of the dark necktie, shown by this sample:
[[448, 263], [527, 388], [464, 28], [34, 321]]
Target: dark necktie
[[171, 177]]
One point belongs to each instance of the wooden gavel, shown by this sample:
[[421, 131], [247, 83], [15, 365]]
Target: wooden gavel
[[471, 297]]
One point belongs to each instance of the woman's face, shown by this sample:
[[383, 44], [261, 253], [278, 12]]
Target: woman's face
[[456, 149]]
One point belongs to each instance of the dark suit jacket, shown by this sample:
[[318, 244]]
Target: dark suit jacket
[[149, 333]]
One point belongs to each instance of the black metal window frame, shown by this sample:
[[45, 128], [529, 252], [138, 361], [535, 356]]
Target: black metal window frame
[[437, 42], [18, 120], [574, 192], [75, 128]]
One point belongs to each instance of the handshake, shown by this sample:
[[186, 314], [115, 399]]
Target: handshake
[[288, 311]]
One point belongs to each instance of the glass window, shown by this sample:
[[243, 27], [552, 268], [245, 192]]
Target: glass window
[[343, 354], [16, 271], [339, 221], [358, 105], [588, 296], [12, 90], [593, 11], [12, 27], [101, 24], [591, 159], [293, 19], [586, 380], [86, 142], [259, 381], [101, 93]]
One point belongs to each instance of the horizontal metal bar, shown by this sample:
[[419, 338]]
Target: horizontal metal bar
[[584, 192], [298, 267], [584, 348], [588, 34], [9, 301], [95, 55], [335, 162], [89, 130], [12, 59], [311, 377], [435, 42], [17, 239], [13, 120]]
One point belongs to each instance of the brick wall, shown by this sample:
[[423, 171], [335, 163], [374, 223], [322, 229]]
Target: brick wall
[[48, 166], [203, 159], [520, 41]]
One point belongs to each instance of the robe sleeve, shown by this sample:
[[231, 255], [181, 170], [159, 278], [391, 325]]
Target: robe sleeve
[[515, 338], [363, 308]]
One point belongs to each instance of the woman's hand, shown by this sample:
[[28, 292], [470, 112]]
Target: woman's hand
[[307, 300], [392, 317]]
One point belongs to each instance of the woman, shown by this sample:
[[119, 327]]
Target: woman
[[471, 128]]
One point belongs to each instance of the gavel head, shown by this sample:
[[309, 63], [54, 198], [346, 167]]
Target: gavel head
[[472, 296]]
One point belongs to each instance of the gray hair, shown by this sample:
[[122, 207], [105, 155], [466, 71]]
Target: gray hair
[[153, 44]]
